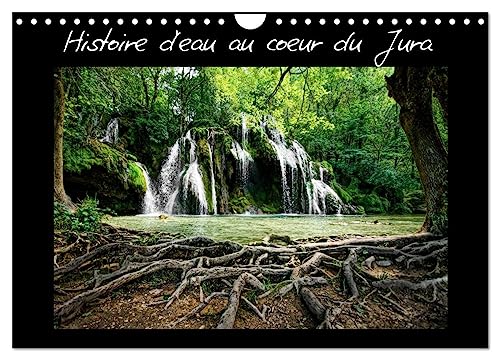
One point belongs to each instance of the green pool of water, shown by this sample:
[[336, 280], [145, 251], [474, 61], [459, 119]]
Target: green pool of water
[[248, 228]]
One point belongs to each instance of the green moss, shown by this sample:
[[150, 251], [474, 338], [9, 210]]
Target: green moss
[[270, 209], [136, 177], [267, 199], [240, 203], [372, 203], [203, 147], [96, 154], [260, 146], [343, 194], [207, 185], [326, 165], [228, 143], [103, 172]]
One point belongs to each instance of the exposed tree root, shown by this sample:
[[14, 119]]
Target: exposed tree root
[[227, 319], [348, 273], [263, 271], [405, 284], [203, 304]]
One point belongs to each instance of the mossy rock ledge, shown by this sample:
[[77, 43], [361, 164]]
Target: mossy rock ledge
[[100, 171]]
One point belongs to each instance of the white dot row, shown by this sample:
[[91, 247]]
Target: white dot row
[[279, 21], [120, 21], [380, 21]]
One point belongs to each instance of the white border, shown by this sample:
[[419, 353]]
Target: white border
[[249, 6]]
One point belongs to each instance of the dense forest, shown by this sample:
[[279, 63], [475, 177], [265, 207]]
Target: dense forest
[[272, 148], [342, 117]]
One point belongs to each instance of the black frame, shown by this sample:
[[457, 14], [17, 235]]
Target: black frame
[[37, 50]]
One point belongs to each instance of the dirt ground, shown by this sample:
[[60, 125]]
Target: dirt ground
[[128, 308]]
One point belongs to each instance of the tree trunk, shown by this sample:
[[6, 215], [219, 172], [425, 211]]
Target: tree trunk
[[411, 88], [59, 192], [439, 82]]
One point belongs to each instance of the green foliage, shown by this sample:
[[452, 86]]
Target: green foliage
[[343, 194], [260, 145], [240, 204], [372, 203], [207, 287], [95, 153], [115, 162], [342, 116], [86, 218], [63, 219], [252, 295], [135, 177]]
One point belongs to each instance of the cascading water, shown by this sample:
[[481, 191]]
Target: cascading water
[[244, 159], [212, 178], [244, 132], [192, 181], [169, 178], [320, 193], [175, 180], [192, 146], [149, 201], [286, 158], [295, 159], [181, 189], [305, 170], [111, 135], [241, 154]]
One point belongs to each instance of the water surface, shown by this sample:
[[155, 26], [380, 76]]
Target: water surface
[[248, 228]]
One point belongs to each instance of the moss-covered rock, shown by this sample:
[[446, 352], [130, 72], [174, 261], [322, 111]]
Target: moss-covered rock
[[259, 146], [372, 203], [240, 204], [105, 173], [136, 178], [343, 194]]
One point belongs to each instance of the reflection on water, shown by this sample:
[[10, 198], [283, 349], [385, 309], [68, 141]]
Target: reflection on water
[[247, 228]]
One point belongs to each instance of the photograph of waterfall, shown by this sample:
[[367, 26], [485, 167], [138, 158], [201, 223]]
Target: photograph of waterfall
[[251, 198]]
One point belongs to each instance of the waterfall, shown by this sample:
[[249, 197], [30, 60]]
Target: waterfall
[[192, 181], [244, 132], [174, 179], [244, 159], [320, 193], [169, 177], [295, 159], [241, 154], [149, 201], [214, 195], [303, 162], [111, 135], [286, 158], [192, 146], [181, 185]]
